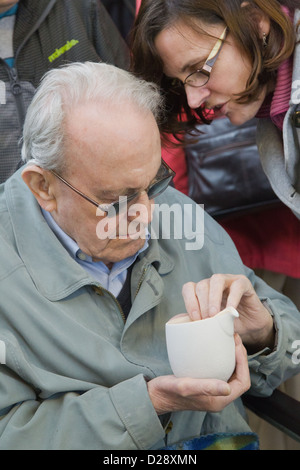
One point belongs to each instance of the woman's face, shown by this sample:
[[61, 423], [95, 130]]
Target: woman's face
[[184, 50]]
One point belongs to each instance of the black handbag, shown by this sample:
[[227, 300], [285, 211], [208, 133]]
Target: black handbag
[[224, 170]]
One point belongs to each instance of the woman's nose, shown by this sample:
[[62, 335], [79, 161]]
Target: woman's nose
[[196, 96]]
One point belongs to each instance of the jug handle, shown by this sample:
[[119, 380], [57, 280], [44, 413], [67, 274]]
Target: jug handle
[[226, 319]]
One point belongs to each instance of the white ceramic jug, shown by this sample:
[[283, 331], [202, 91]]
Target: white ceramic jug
[[203, 348]]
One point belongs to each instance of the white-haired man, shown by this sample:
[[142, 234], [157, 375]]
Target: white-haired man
[[84, 303]]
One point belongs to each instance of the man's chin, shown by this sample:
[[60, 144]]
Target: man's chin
[[133, 236], [120, 249]]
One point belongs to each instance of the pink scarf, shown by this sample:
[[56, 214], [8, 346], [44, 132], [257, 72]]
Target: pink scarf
[[279, 104]]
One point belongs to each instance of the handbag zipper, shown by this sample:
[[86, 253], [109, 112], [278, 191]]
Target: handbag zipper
[[231, 146]]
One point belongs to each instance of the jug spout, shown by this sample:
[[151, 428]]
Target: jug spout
[[226, 319]]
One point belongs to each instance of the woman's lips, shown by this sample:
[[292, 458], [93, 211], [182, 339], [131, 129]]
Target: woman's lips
[[220, 109]]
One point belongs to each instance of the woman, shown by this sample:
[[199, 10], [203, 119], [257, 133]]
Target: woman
[[218, 56], [239, 59], [233, 58]]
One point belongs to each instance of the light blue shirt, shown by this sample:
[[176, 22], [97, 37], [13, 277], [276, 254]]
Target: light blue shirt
[[111, 279]]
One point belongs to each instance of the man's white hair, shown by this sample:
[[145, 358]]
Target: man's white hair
[[64, 88]]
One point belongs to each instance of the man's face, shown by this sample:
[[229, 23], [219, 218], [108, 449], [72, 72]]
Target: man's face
[[110, 152], [6, 5]]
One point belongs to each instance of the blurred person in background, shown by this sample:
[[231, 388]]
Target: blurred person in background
[[39, 35]]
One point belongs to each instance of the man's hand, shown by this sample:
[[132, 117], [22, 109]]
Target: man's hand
[[209, 296], [169, 393]]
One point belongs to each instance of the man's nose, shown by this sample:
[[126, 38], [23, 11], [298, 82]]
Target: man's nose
[[196, 96], [142, 208]]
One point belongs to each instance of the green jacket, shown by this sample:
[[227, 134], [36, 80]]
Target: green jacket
[[48, 34], [74, 372]]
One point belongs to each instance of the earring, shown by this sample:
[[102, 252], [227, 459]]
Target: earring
[[264, 40]]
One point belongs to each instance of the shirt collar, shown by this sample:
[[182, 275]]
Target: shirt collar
[[75, 252]]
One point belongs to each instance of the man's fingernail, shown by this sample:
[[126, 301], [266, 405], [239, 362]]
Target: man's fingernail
[[195, 315], [225, 389]]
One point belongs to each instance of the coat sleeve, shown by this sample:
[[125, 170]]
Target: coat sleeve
[[97, 419], [268, 368]]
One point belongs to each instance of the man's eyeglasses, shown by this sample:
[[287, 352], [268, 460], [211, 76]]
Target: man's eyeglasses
[[201, 76], [162, 180]]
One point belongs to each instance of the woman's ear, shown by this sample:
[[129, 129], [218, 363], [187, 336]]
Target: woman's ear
[[264, 25], [38, 181], [263, 21]]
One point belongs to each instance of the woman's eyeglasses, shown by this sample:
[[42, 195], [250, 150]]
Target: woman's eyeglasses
[[201, 76], [160, 183]]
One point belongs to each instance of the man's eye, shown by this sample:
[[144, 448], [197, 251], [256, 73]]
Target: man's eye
[[105, 200]]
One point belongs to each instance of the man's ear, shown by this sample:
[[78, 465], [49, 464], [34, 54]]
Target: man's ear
[[39, 183]]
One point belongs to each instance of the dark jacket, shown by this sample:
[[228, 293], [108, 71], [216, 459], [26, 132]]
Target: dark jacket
[[48, 34]]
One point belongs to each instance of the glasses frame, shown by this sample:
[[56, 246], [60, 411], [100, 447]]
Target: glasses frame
[[209, 63], [116, 204]]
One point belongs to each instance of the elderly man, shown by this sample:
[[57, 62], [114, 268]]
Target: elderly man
[[86, 288]]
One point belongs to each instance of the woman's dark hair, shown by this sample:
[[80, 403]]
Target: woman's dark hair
[[156, 15]]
